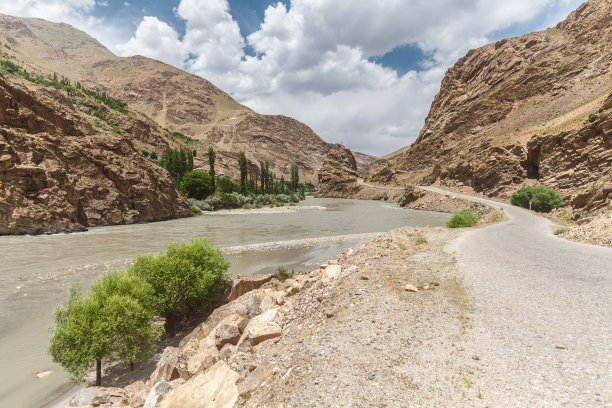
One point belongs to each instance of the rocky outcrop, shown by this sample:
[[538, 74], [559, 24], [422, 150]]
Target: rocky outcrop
[[58, 175], [338, 177], [578, 162], [502, 104]]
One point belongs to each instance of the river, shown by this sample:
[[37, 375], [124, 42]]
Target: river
[[36, 271]]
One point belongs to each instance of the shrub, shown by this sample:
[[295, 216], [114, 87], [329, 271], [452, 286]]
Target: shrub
[[185, 276], [421, 240], [153, 156], [283, 274], [144, 152], [229, 201], [225, 185], [461, 219], [196, 184], [560, 230], [542, 199]]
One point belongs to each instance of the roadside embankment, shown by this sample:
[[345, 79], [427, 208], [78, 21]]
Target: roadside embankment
[[383, 317]]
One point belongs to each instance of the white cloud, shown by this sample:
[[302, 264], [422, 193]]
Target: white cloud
[[312, 59], [154, 39]]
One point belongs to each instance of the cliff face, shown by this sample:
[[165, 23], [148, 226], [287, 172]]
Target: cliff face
[[57, 174], [498, 103], [172, 98], [338, 176]]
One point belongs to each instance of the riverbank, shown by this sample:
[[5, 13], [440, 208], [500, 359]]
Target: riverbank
[[384, 315], [287, 209]]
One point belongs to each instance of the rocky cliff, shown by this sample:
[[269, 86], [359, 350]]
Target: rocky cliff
[[338, 176], [502, 106], [177, 101], [58, 173]]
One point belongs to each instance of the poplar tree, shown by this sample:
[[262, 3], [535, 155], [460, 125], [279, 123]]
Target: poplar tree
[[211, 162], [242, 164]]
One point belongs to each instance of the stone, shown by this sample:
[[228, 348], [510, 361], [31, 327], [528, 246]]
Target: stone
[[331, 272], [135, 394], [363, 277], [166, 366], [246, 283], [411, 288], [157, 393], [216, 388], [96, 396], [43, 374], [263, 327], [229, 330], [255, 378], [199, 362]]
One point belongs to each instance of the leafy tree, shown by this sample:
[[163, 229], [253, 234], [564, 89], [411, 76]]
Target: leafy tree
[[80, 336], [177, 162], [242, 164], [196, 184], [542, 199], [211, 162], [226, 185], [185, 276], [295, 177], [153, 155]]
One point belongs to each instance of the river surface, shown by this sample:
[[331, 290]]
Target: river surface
[[36, 271]]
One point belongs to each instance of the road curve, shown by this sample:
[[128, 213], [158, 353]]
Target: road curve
[[541, 333]]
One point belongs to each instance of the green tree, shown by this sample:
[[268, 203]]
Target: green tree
[[196, 184], [243, 165], [295, 177], [177, 162], [538, 198], [185, 276], [80, 336], [211, 162], [225, 185]]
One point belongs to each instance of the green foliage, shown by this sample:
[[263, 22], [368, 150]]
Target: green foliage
[[153, 156], [181, 137], [177, 162], [226, 185], [243, 166], [283, 274], [185, 276], [542, 199], [114, 320], [295, 177], [211, 163], [196, 184], [230, 201], [462, 219], [144, 152], [560, 230], [64, 84]]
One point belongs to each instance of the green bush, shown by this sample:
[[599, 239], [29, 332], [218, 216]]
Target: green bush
[[462, 219], [187, 275], [226, 185], [230, 201], [196, 184], [542, 199]]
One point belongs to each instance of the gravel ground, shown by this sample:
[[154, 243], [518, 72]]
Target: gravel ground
[[541, 325], [363, 340]]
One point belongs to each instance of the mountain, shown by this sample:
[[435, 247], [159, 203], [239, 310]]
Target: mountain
[[525, 110], [186, 106]]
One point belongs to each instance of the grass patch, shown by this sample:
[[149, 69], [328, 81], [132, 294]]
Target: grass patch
[[421, 240], [282, 274], [560, 230]]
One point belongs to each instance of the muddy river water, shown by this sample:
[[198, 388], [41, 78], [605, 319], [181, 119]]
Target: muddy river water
[[36, 271]]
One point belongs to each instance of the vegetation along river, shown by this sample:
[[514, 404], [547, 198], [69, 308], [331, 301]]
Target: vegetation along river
[[36, 271]]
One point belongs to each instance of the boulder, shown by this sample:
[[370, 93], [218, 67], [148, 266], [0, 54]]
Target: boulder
[[331, 272], [135, 394], [166, 366], [157, 393], [263, 327], [246, 283], [216, 388], [255, 378], [96, 396]]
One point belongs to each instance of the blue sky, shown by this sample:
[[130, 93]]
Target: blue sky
[[359, 73]]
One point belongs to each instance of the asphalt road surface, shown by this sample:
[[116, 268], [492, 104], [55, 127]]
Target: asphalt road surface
[[541, 328]]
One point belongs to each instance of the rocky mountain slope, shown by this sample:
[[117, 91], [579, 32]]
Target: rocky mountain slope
[[58, 173], [202, 114], [531, 109]]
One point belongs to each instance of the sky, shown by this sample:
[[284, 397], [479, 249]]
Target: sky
[[361, 73]]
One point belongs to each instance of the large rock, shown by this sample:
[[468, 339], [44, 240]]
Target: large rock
[[216, 388], [245, 283], [263, 327], [338, 176], [96, 396], [157, 393], [229, 330], [166, 366]]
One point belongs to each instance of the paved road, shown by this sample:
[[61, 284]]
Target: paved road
[[542, 318]]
